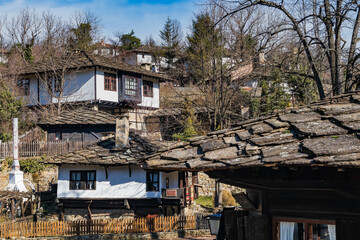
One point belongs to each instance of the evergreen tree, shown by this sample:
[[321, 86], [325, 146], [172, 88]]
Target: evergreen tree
[[205, 49], [81, 37], [171, 39], [275, 93], [10, 107], [130, 41]]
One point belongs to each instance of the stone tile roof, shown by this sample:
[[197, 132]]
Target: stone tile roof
[[106, 154], [86, 116], [326, 133], [175, 111], [82, 60]]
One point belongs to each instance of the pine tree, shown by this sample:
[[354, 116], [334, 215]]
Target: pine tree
[[205, 49], [130, 41], [171, 39], [10, 107]]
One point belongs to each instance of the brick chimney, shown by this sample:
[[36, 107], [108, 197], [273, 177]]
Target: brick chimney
[[122, 131]]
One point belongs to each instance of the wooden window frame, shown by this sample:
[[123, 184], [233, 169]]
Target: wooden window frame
[[83, 182], [127, 87], [150, 181], [57, 84], [110, 82], [148, 88], [50, 85], [307, 225], [24, 86]]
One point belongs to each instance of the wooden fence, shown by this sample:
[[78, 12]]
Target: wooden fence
[[98, 226], [39, 148]]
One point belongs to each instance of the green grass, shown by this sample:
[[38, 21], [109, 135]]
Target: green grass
[[205, 201]]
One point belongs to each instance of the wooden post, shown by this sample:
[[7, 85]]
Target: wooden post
[[12, 209], [22, 208], [217, 194]]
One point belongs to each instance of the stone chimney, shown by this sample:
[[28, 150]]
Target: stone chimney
[[122, 131]]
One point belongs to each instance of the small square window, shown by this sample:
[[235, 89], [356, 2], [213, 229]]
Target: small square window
[[82, 180]]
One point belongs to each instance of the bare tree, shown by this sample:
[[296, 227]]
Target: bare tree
[[24, 30], [321, 28], [221, 59]]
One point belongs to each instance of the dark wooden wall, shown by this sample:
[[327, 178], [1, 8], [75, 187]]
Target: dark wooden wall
[[305, 193], [79, 132]]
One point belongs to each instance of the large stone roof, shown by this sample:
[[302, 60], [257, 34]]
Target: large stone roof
[[105, 153], [83, 60], [322, 134], [86, 116]]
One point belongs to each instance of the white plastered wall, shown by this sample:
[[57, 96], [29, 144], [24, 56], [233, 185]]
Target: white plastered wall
[[153, 102], [102, 94], [118, 185]]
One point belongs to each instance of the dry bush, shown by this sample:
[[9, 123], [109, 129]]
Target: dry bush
[[228, 199], [3, 218]]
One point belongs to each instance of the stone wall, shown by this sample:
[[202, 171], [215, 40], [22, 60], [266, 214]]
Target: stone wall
[[71, 214], [48, 175], [208, 185]]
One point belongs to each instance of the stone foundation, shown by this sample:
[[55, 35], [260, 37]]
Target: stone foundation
[[71, 214]]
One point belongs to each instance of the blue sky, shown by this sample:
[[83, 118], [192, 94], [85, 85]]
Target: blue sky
[[146, 17]]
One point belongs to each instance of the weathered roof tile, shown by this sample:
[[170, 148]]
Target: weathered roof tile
[[301, 117], [332, 145], [261, 128], [213, 145], [319, 128], [273, 139], [225, 153]]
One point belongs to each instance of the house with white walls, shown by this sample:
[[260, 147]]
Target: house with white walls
[[83, 78], [112, 178]]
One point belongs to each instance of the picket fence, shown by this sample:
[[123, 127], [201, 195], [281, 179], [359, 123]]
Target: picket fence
[[40, 148], [99, 226]]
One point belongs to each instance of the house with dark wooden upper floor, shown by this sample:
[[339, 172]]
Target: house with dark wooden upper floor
[[110, 86], [109, 178], [300, 168]]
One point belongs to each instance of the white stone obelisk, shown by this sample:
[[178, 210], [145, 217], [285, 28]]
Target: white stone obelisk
[[16, 177]]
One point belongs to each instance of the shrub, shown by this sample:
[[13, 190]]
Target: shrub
[[31, 165], [3, 218]]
